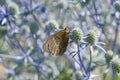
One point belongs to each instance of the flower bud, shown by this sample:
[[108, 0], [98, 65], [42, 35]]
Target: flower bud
[[34, 27]]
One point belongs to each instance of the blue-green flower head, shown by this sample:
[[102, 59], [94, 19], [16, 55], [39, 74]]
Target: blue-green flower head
[[51, 26], [117, 5], [91, 38], [116, 65], [108, 56], [77, 35], [13, 9]]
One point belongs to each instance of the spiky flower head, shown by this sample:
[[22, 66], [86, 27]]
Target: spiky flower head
[[108, 56], [91, 38], [61, 5], [116, 65], [51, 26], [13, 9], [76, 35], [117, 5]]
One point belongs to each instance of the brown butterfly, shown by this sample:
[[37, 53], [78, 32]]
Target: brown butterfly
[[57, 43]]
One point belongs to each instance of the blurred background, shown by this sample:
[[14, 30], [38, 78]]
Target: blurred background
[[94, 44]]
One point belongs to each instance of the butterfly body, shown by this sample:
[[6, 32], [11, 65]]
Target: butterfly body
[[57, 43]]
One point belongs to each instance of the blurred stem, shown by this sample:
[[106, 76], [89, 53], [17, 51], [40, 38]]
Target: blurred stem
[[105, 73], [11, 57], [70, 62], [39, 51], [95, 8], [112, 1], [30, 3], [18, 45], [22, 49], [24, 4], [81, 61], [105, 35], [14, 45], [30, 9], [89, 65], [115, 39], [97, 21], [35, 18], [11, 28], [37, 74], [113, 74]]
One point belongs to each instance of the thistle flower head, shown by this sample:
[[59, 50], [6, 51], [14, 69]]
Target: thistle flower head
[[108, 56], [76, 35], [91, 38], [116, 65], [51, 26]]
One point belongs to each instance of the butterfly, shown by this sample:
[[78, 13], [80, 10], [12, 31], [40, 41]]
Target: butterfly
[[57, 43]]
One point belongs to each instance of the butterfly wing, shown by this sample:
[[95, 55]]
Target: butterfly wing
[[63, 42], [46, 45], [57, 43]]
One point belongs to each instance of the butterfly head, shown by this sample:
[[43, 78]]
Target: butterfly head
[[67, 30]]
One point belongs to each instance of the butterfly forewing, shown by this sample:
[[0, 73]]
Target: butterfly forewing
[[57, 43]]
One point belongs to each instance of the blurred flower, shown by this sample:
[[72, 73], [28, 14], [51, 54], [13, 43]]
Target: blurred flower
[[34, 27], [116, 65], [2, 2], [117, 5], [61, 5], [3, 31], [78, 75], [13, 8], [51, 26], [108, 56]]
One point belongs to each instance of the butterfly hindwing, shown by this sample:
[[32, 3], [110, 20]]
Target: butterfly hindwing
[[57, 43]]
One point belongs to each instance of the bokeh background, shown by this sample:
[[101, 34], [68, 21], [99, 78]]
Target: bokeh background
[[94, 45]]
